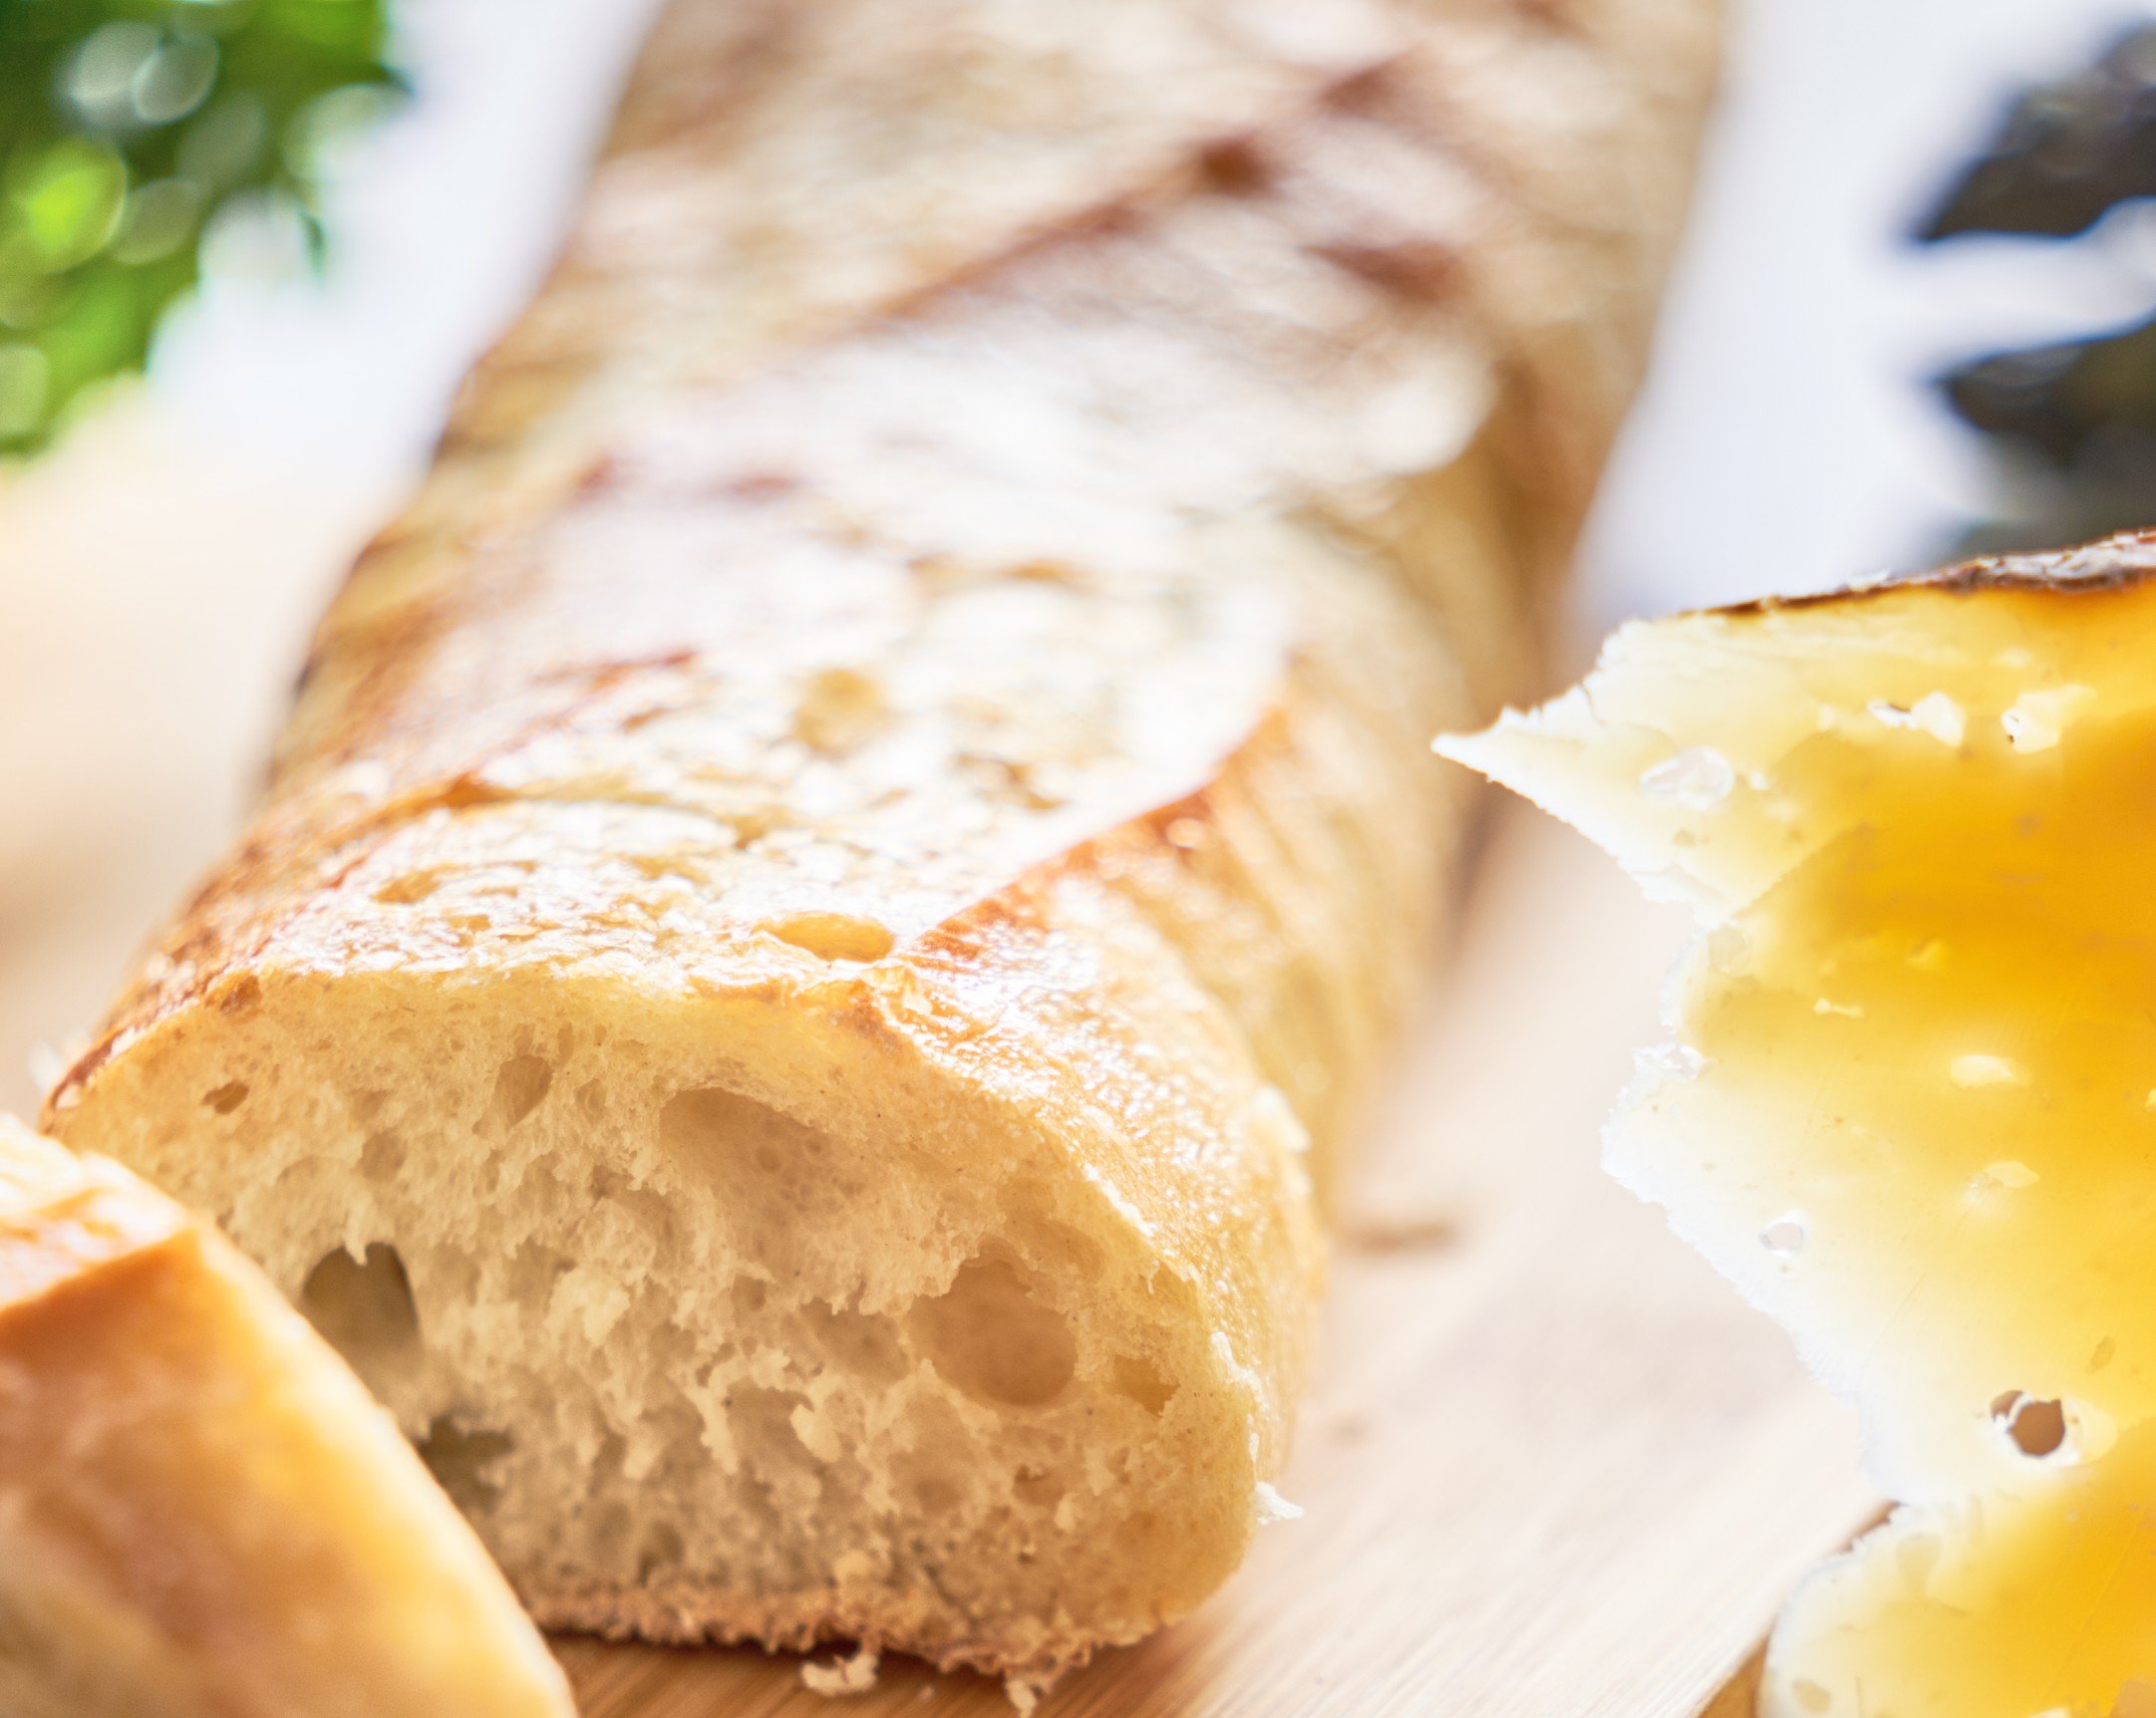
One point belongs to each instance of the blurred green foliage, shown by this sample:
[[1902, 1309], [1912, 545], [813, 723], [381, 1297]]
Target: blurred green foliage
[[126, 128], [2073, 421]]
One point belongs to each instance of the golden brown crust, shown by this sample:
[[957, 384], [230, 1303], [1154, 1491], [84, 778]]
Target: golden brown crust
[[2112, 563], [390, 629], [966, 555], [689, 1612]]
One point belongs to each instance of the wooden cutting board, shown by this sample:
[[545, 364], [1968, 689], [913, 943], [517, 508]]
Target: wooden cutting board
[[1551, 1467]]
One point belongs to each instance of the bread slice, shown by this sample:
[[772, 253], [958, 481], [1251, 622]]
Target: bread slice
[[836, 882], [1908, 1103], [203, 1515]]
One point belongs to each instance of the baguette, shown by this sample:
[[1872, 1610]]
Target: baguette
[[202, 1513], [835, 882]]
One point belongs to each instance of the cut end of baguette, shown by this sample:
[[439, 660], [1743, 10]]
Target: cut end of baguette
[[729, 1317]]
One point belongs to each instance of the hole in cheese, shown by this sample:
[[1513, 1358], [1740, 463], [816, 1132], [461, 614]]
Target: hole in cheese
[[2036, 1428]]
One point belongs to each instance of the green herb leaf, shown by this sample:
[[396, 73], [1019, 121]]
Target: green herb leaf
[[126, 127]]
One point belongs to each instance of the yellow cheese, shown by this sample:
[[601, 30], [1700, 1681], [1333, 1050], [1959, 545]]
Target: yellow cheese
[[1909, 1102], [2038, 1598]]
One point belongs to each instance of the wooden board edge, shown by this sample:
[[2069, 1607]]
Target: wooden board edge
[[1739, 1697]]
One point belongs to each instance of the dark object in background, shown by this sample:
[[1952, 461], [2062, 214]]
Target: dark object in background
[[2078, 404], [2075, 425], [126, 128], [2067, 152], [2074, 421]]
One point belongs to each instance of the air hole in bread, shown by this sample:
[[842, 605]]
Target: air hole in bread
[[989, 1336], [1037, 1488], [1050, 1244], [858, 1343], [519, 1087], [463, 1462], [532, 1273], [928, 1483], [606, 1523], [382, 1156], [726, 1126], [1140, 1379], [762, 1422], [653, 1215], [662, 1548], [364, 1307], [226, 1099], [366, 1105], [777, 1173], [833, 936]]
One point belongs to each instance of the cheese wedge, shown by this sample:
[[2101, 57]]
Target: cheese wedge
[[203, 1515], [1909, 1100]]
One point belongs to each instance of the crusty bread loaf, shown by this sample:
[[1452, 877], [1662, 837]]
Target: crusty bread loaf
[[202, 1513], [836, 879]]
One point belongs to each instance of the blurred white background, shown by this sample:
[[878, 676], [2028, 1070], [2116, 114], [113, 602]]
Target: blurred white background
[[1787, 440]]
